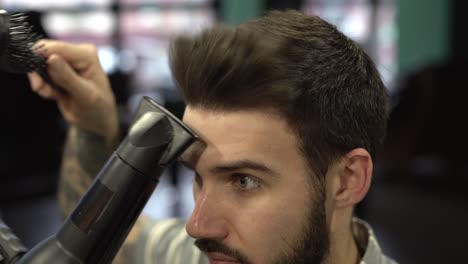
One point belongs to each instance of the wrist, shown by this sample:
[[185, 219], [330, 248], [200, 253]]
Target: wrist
[[93, 150]]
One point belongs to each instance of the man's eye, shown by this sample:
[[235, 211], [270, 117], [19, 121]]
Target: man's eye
[[246, 182]]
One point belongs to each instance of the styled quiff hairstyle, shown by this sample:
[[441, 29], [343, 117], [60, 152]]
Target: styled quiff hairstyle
[[323, 83]]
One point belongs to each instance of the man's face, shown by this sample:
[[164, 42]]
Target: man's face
[[253, 197]]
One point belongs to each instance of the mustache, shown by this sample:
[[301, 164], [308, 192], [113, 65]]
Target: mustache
[[208, 245]]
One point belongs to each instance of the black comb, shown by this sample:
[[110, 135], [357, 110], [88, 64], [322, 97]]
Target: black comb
[[18, 53]]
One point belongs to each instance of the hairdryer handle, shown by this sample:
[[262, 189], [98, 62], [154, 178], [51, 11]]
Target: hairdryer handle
[[11, 248]]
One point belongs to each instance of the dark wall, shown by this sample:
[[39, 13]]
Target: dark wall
[[459, 32]]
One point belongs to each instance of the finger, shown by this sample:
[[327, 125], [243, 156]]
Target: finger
[[35, 81], [38, 85], [46, 93], [79, 55], [42, 88], [64, 76]]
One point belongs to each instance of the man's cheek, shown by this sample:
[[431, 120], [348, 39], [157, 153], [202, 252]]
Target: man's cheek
[[269, 225]]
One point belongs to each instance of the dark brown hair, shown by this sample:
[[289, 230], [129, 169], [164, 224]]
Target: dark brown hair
[[323, 83]]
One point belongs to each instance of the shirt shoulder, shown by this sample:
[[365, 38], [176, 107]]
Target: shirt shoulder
[[166, 241]]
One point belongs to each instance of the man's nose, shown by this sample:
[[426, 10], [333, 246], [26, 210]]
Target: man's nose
[[207, 220]]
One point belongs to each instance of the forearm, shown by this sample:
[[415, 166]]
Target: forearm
[[85, 154]]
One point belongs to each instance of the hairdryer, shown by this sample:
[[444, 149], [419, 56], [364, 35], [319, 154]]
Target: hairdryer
[[99, 224]]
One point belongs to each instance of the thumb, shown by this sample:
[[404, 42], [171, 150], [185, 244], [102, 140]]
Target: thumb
[[64, 76]]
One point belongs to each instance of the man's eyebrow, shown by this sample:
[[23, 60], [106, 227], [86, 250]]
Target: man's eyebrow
[[243, 164]]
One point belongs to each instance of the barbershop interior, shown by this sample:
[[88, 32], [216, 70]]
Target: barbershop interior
[[417, 204]]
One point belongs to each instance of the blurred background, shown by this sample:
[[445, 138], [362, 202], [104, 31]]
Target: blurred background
[[417, 205]]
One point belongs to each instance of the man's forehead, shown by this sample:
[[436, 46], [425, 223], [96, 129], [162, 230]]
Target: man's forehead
[[230, 136]]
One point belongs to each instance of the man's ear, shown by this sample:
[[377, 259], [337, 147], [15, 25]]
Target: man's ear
[[355, 178]]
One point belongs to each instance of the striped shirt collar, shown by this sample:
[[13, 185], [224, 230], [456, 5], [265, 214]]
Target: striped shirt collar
[[368, 244]]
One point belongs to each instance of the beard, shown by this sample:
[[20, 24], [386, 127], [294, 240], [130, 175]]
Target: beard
[[313, 244], [310, 246]]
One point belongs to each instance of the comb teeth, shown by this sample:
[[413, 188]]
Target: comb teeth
[[21, 55]]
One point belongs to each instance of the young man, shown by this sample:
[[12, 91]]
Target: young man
[[290, 113]]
